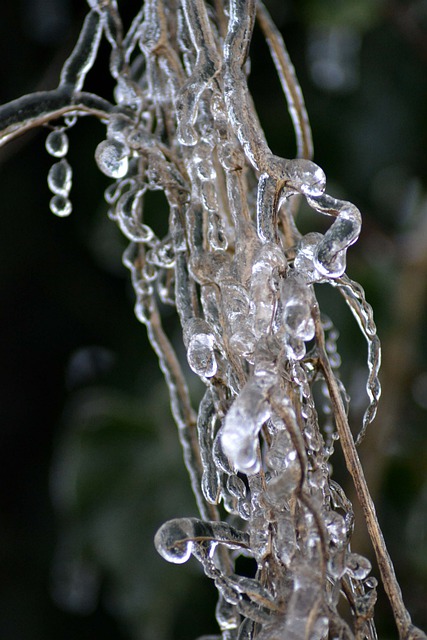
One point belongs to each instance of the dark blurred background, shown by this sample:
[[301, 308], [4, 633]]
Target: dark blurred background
[[89, 460]]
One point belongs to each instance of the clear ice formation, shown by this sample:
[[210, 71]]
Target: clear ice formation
[[241, 278]]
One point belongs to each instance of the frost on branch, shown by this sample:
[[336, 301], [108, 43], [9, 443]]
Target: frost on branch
[[241, 278]]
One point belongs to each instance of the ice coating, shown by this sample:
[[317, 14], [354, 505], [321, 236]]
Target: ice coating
[[83, 56], [330, 255]]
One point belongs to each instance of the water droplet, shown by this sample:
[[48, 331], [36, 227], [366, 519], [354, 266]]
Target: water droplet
[[60, 206], [57, 143], [59, 178], [112, 158]]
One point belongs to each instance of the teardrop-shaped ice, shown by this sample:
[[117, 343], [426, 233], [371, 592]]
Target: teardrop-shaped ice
[[60, 206], [173, 541], [200, 355], [295, 348], [57, 143], [112, 157], [59, 178], [200, 347]]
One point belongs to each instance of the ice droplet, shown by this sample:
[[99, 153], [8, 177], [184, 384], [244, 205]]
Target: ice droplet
[[60, 206], [57, 143], [112, 158], [295, 348], [285, 542], [358, 566], [200, 343], [173, 542], [297, 298], [200, 355], [306, 177], [59, 178]]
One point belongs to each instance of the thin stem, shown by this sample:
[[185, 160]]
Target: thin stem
[[288, 80]]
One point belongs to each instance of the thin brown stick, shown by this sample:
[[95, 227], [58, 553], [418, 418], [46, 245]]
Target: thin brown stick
[[289, 82]]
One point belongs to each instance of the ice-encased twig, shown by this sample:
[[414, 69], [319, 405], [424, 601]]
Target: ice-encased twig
[[354, 295], [39, 108], [240, 276], [83, 56], [207, 65]]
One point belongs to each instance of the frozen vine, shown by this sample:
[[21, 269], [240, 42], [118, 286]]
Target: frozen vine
[[241, 277]]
